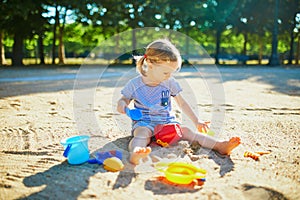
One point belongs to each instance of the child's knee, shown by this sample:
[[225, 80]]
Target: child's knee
[[142, 132]]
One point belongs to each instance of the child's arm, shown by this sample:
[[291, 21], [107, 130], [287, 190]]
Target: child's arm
[[122, 104], [185, 107]]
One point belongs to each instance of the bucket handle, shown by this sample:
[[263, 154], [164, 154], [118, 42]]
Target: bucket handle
[[66, 152]]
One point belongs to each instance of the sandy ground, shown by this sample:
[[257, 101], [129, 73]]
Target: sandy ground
[[39, 107]]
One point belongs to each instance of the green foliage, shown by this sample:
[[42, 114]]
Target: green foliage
[[22, 17], [95, 21]]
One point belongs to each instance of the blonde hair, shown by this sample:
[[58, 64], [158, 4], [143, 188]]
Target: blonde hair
[[161, 50]]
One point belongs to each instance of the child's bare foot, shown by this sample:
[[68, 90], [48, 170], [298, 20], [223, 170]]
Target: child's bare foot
[[226, 147], [139, 153]]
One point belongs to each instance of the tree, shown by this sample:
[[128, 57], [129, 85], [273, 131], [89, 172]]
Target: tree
[[21, 20], [211, 22], [274, 59], [182, 16], [41, 48], [56, 21], [252, 19], [60, 19], [289, 15], [61, 27], [2, 53], [2, 28], [217, 14]]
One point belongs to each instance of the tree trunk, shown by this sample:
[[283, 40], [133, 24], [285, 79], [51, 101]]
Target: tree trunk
[[117, 47], [54, 33], [61, 49], [245, 47], [298, 50], [41, 49], [134, 50], [17, 51], [218, 41], [2, 51], [187, 43], [260, 55], [274, 60], [291, 53]]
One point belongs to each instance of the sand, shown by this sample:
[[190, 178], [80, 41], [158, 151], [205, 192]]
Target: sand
[[41, 106]]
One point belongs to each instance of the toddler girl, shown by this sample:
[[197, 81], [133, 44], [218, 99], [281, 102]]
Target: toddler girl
[[151, 92]]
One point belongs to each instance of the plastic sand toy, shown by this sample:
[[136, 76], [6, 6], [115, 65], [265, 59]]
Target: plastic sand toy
[[100, 157], [180, 172], [111, 160], [76, 149], [134, 114], [255, 155], [249, 154], [113, 164]]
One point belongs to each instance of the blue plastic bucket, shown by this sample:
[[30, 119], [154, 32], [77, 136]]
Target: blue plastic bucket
[[76, 149]]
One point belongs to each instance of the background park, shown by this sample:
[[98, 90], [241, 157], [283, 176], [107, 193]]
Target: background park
[[243, 32], [63, 64]]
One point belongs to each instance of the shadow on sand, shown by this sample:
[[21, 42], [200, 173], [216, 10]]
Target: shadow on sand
[[69, 181], [30, 80], [65, 181]]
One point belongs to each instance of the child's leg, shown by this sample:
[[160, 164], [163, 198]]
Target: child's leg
[[138, 144], [206, 141]]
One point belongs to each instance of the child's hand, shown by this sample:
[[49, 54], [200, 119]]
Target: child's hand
[[121, 106], [203, 126], [121, 109]]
